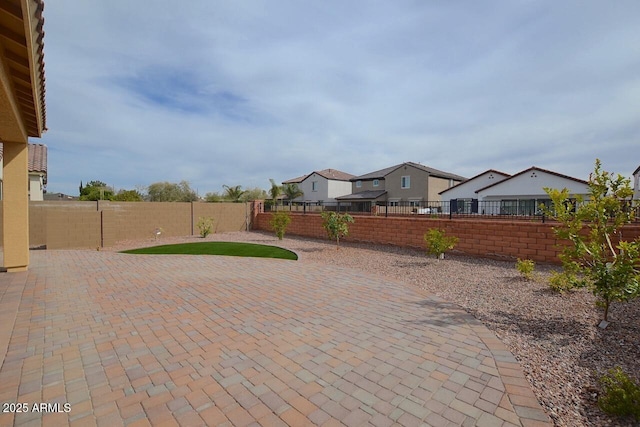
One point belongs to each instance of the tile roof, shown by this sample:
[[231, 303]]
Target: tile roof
[[363, 195], [384, 172], [37, 157], [466, 181], [332, 174], [532, 168]]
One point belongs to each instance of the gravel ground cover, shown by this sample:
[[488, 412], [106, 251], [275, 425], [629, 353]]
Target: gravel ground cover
[[555, 337]]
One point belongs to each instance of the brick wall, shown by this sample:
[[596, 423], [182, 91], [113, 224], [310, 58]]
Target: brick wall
[[486, 238]]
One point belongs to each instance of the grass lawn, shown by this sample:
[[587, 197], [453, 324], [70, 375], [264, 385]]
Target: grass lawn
[[217, 248]]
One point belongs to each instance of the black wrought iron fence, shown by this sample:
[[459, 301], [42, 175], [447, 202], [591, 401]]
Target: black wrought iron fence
[[524, 209]]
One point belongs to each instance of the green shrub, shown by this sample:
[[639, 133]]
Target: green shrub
[[620, 395], [437, 243], [525, 267], [279, 223], [205, 225], [561, 281], [336, 225]]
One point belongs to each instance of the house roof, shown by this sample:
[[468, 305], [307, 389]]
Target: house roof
[[37, 157], [581, 181], [380, 174], [637, 171], [467, 181], [331, 174], [22, 46], [363, 195]]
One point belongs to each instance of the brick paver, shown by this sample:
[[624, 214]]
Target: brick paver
[[102, 338]]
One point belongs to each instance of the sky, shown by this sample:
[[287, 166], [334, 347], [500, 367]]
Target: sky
[[237, 92]]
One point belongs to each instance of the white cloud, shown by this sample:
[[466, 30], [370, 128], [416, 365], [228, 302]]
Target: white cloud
[[237, 93]]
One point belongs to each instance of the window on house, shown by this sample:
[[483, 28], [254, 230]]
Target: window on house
[[405, 182], [358, 184], [376, 182], [314, 186]]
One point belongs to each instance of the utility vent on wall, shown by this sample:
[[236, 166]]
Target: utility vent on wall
[[533, 175]]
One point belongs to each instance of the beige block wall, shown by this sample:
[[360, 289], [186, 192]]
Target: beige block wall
[[61, 224], [136, 220], [226, 216], [67, 229]]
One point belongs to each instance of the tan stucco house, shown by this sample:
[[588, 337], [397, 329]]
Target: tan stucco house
[[406, 184], [22, 115]]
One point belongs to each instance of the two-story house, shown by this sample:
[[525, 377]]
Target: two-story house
[[406, 184], [322, 186]]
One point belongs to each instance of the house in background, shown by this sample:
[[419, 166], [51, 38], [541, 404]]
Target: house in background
[[37, 171], [519, 194], [636, 184], [322, 186], [464, 196], [406, 184]]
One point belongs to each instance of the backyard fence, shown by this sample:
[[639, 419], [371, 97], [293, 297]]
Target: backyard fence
[[521, 209], [64, 224]]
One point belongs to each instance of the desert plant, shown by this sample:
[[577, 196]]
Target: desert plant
[[562, 281], [620, 395], [279, 222], [292, 191], [438, 243], [205, 225], [233, 193], [336, 225], [525, 267], [275, 191], [591, 227]]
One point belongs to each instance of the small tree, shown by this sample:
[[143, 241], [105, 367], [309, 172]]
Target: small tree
[[438, 243], [292, 191], [336, 225], [593, 258], [205, 225], [233, 193], [274, 192], [279, 222]]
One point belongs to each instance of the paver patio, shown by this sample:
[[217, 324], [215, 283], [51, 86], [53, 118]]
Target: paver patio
[[194, 340]]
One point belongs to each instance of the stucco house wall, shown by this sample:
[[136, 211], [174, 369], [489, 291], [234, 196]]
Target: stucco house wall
[[467, 189], [367, 185], [636, 184], [527, 187], [329, 184], [36, 187], [417, 184]]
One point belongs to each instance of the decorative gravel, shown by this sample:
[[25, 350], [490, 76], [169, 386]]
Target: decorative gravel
[[555, 337]]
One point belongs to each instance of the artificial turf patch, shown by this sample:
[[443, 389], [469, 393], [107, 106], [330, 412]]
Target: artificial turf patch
[[217, 248]]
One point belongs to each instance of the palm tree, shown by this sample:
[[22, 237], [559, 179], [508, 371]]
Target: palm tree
[[274, 191], [233, 193], [292, 191]]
